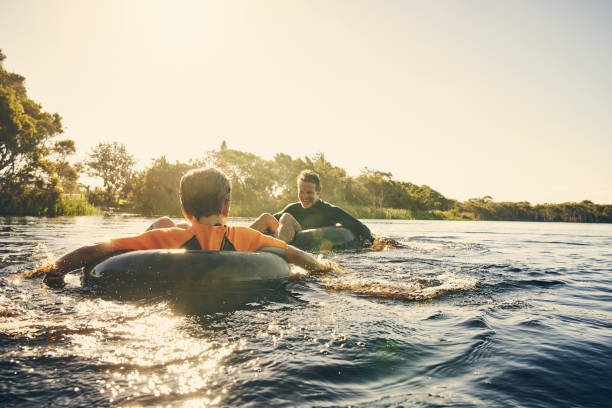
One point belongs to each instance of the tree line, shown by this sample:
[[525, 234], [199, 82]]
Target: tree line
[[37, 178]]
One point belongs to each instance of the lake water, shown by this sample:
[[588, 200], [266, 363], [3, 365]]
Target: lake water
[[467, 314]]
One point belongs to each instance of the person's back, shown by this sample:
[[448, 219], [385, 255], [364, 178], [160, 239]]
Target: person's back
[[199, 237]]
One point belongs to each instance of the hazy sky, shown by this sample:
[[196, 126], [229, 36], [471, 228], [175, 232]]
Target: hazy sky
[[511, 99]]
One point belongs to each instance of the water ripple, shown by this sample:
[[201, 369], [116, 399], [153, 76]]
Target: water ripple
[[468, 314]]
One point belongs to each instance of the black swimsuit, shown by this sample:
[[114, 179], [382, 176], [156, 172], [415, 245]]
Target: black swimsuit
[[194, 245]]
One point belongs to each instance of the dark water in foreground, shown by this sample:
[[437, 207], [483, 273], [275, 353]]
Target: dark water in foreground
[[469, 314]]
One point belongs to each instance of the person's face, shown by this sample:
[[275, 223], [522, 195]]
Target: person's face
[[308, 194]]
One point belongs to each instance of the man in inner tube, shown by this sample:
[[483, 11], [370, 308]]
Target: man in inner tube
[[310, 212], [205, 202]]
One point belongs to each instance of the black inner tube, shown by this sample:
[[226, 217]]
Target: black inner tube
[[197, 269], [325, 239]]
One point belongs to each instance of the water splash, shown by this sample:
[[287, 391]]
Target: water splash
[[408, 288]]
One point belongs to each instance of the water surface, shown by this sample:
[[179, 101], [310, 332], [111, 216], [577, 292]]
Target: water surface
[[467, 314]]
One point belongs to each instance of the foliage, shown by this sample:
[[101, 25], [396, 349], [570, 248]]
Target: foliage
[[46, 203], [156, 189], [378, 184], [367, 212], [487, 209], [333, 178], [35, 174], [115, 166], [96, 197], [253, 184], [382, 191], [260, 185], [40, 200], [25, 130], [75, 204], [31, 177], [67, 173], [285, 170]]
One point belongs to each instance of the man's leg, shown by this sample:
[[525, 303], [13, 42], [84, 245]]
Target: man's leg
[[265, 223], [287, 227]]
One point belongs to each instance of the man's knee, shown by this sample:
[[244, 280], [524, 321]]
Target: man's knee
[[286, 217], [287, 228], [288, 220], [267, 218], [265, 223]]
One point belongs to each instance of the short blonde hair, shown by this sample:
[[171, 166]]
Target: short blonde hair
[[204, 191]]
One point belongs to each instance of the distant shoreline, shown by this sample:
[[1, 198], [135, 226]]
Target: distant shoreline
[[375, 214]]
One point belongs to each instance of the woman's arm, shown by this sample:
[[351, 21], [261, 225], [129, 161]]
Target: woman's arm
[[71, 261], [307, 261]]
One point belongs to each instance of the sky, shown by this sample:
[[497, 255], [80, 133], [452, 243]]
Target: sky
[[511, 99]]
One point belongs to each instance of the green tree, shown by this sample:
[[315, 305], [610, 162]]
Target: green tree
[[155, 190], [429, 199], [25, 130], [253, 180], [115, 166], [333, 178], [268, 185], [378, 184], [67, 173], [28, 181], [285, 170]]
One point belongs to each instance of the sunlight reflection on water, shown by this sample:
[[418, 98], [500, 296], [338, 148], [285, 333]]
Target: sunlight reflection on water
[[464, 315], [148, 348]]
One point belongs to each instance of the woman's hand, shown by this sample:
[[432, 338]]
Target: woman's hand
[[54, 279], [38, 272], [325, 265]]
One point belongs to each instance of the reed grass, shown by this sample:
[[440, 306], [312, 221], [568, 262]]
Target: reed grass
[[71, 205]]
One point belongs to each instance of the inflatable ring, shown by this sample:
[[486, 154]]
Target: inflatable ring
[[146, 271], [325, 239]]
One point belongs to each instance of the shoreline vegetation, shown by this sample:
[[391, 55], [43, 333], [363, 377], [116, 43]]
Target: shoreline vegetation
[[268, 185], [37, 178], [260, 185]]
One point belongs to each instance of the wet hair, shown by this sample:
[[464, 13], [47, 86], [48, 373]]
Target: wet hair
[[204, 191], [309, 176]]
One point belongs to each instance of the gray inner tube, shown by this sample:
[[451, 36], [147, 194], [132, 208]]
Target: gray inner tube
[[325, 239], [193, 270]]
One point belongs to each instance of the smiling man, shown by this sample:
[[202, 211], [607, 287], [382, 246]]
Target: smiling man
[[309, 212]]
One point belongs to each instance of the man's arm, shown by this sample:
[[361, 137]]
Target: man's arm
[[353, 224]]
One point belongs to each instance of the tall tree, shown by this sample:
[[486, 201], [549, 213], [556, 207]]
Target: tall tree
[[114, 165], [377, 183], [67, 173], [252, 179], [29, 184], [25, 132], [156, 189]]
